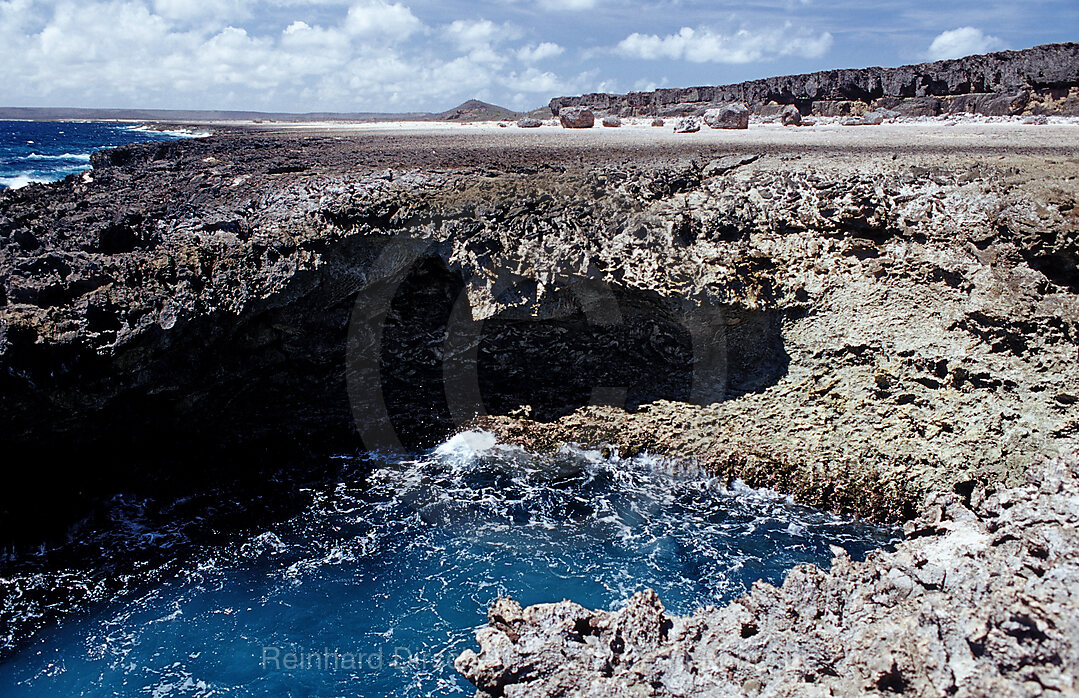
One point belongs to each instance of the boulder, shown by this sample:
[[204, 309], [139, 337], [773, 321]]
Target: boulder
[[576, 117], [734, 115], [529, 123], [790, 116], [658, 122], [988, 104], [688, 125], [873, 118], [611, 121]]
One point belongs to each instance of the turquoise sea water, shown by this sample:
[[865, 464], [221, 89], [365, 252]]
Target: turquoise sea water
[[381, 582]]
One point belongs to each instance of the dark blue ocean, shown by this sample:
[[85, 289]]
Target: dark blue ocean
[[47, 151], [383, 579]]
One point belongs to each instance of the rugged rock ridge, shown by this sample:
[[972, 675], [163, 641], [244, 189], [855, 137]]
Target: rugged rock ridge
[[979, 600], [849, 327], [1039, 80]]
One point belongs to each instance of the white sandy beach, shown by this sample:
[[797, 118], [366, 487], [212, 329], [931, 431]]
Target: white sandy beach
[[953, 132]]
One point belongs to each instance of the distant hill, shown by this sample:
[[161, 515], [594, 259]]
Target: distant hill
[[472, 110], [475, 110]]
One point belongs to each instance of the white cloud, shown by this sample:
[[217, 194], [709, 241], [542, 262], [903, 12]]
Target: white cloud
[[124, 53], [964, 41], [315, 55], [704, 45], [379, 20], [534, 80], [201, 10], [540, 52], [560, 5], [469, 35], [646, 85], [570, 5]]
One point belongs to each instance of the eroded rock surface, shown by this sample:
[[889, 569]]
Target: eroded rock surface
[[1039, 80], [980, 600], [855, 327]]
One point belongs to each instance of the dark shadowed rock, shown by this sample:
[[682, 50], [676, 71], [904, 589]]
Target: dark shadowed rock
[[732, 116], [577, 117], [658, 122], [790, 116], [1045, 71]]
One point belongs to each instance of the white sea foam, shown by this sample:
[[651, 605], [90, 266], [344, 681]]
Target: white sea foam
[[84, 157], [20, 181], [178, 133], [467, 445]]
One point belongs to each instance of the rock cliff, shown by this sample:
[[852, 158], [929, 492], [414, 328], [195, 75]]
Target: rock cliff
[[1039, 80], [847, 326], [857, 324]]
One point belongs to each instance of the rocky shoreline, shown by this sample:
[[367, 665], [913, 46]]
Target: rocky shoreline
[[980, 600], [859, 326], [1041, 80]]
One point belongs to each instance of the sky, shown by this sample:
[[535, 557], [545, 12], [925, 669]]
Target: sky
[[430, 55]]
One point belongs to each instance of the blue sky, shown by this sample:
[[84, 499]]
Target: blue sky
[[400, 55]]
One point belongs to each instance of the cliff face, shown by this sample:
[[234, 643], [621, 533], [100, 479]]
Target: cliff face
[[856, 324], [841, 324], [1039, 80]]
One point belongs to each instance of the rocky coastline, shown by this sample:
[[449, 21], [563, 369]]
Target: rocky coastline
[[978, 601], [861, 327], [1042, 80]]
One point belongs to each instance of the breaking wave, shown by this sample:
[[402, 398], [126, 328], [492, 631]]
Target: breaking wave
[[398, 562]]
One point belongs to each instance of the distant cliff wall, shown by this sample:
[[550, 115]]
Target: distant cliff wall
[[1039, 80]]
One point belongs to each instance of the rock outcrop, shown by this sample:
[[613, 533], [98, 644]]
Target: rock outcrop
[[688, 125], [1039, 80], [790, 116], [577, 117], [855, 324], [980, 600], [733, 116], [848, 327]]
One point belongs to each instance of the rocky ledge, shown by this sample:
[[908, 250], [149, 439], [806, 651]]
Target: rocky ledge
[[858, 323], [855, 325], [1039, 80], [979, 600]]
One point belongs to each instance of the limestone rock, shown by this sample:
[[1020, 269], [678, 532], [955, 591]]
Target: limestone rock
[[611, 121], [730, 116], [577, 117], [688, 125], [529, 123], [979, 600], [1043, 71], [790, 116]]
